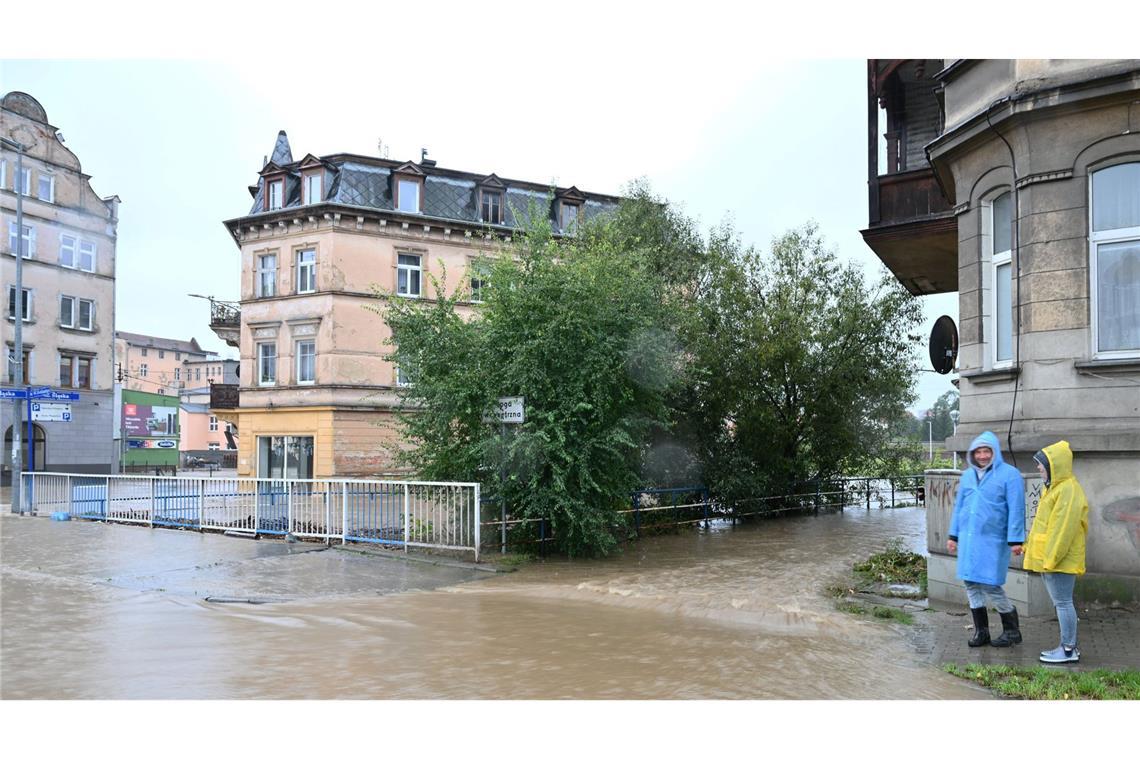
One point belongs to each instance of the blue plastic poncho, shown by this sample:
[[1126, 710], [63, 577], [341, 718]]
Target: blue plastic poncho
[[989, 516]]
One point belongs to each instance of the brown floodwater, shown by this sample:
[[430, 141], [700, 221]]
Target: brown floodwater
[[93, 611]]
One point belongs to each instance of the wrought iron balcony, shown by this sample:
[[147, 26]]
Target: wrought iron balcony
[[225, 321], [224, 395]]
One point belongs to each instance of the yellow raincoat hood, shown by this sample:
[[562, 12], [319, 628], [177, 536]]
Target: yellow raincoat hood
[[1056, 543]]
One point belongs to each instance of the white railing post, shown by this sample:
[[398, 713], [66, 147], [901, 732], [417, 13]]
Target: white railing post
[[478, 519], [288, 507], [328, 516], [70, 497], [407, 522], [201, 502], [343, 513], [256, 499], [153, 503]]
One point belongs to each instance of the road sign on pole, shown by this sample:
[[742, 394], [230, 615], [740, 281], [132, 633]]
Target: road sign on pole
[[51, 412], [510, 410]]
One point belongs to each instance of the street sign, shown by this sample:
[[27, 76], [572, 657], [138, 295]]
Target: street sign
[[48, 394], [49, 412], [509, 411], [10, 393]]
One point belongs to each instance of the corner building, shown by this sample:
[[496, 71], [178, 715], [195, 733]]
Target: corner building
[[323, 235], [1016, 184]]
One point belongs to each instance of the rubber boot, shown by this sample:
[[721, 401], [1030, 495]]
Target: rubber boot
[[1010, 633], [981, 627]]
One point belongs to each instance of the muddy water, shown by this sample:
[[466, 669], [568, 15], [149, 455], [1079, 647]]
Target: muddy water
[[96, 611]]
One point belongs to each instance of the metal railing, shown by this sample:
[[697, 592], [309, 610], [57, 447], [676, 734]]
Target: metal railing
[[689, 505], [399, 514]]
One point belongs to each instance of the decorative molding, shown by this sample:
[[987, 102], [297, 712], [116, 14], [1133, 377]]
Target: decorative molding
[[1039, 177], [961, 208]]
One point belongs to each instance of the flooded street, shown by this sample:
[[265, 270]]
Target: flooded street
[[98, 611]]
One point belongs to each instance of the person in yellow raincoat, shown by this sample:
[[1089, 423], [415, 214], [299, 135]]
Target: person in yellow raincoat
[[1056, 544]]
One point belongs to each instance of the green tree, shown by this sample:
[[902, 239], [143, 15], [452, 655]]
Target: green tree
[[801, 369], [941, 417], [582, 328]]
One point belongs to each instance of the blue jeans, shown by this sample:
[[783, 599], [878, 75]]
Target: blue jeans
[[1060, 588], [977, 593]]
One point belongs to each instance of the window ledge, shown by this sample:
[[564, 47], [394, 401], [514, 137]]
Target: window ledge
[[1109, 367], [981, 376]]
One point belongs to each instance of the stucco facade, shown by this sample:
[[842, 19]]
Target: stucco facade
[[1039, 165], [319, 259], [68, 275]]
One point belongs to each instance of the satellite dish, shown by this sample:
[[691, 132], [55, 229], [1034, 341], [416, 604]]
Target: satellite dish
[[943, 345]]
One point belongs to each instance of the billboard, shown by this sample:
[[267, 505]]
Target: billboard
[[146, 420]]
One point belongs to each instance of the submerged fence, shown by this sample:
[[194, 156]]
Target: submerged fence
[[658, 508], [402, 514]]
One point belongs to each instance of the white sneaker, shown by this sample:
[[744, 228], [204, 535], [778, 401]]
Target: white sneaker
[[1061, 654]]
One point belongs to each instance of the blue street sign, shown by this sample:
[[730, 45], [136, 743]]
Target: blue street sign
[[13, 393], [47, 394]]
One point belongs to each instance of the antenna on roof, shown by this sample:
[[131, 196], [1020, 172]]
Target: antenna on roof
[[423, 153], [381, 148]]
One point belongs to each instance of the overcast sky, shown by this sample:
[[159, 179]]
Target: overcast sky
[[722, 118]]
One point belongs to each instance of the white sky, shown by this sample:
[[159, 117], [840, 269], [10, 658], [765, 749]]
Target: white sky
[[750, 118]]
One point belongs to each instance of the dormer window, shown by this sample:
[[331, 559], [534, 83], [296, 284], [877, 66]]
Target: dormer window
[[313, 188], [408, 188], [568, 217], [492, 207], [276, 193], [408, 195]]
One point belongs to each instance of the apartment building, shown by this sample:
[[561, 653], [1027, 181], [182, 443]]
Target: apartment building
[[164, 365], [69, 235], [1016, 184], [322, 236]]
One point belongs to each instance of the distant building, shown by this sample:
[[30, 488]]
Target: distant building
[[69, 236], [1016, 184], [317, 391]]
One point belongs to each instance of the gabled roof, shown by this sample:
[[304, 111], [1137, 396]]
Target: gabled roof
[[570, 194], [491, 180], [309, 161], [408, 167], [272, 168], [166, 344]]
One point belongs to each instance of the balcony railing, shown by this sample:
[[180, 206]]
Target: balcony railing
[[225, 314], [224, 395], [909, 197]]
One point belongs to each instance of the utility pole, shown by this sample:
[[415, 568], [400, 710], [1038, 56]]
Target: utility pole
[[17, 359]]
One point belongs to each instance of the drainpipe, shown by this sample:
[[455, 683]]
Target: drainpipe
[[1017, 273], [17, 358]]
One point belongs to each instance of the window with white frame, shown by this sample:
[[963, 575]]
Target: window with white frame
[[142, 370], [402, 378], [408, 271], [1000, 323], [46, 188], [78, 313], [492, 207], [267, 363], [213, 424], [197, 374], [313, 188], [177, 373], [479, 281], [408, 195], [86, 256], [306, 362], [3, 175], [306, 271], [26, 303], [161, 354], [276, 191], [267, 275], [214, 446], [24, 187], [1114, 249], [29, 240]]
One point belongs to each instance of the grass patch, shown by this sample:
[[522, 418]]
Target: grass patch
[[1050, 683], [894, 565], [512, 560], [878, 612]]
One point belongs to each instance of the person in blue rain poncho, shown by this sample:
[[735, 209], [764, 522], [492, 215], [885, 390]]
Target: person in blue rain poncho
[[988, 523]]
